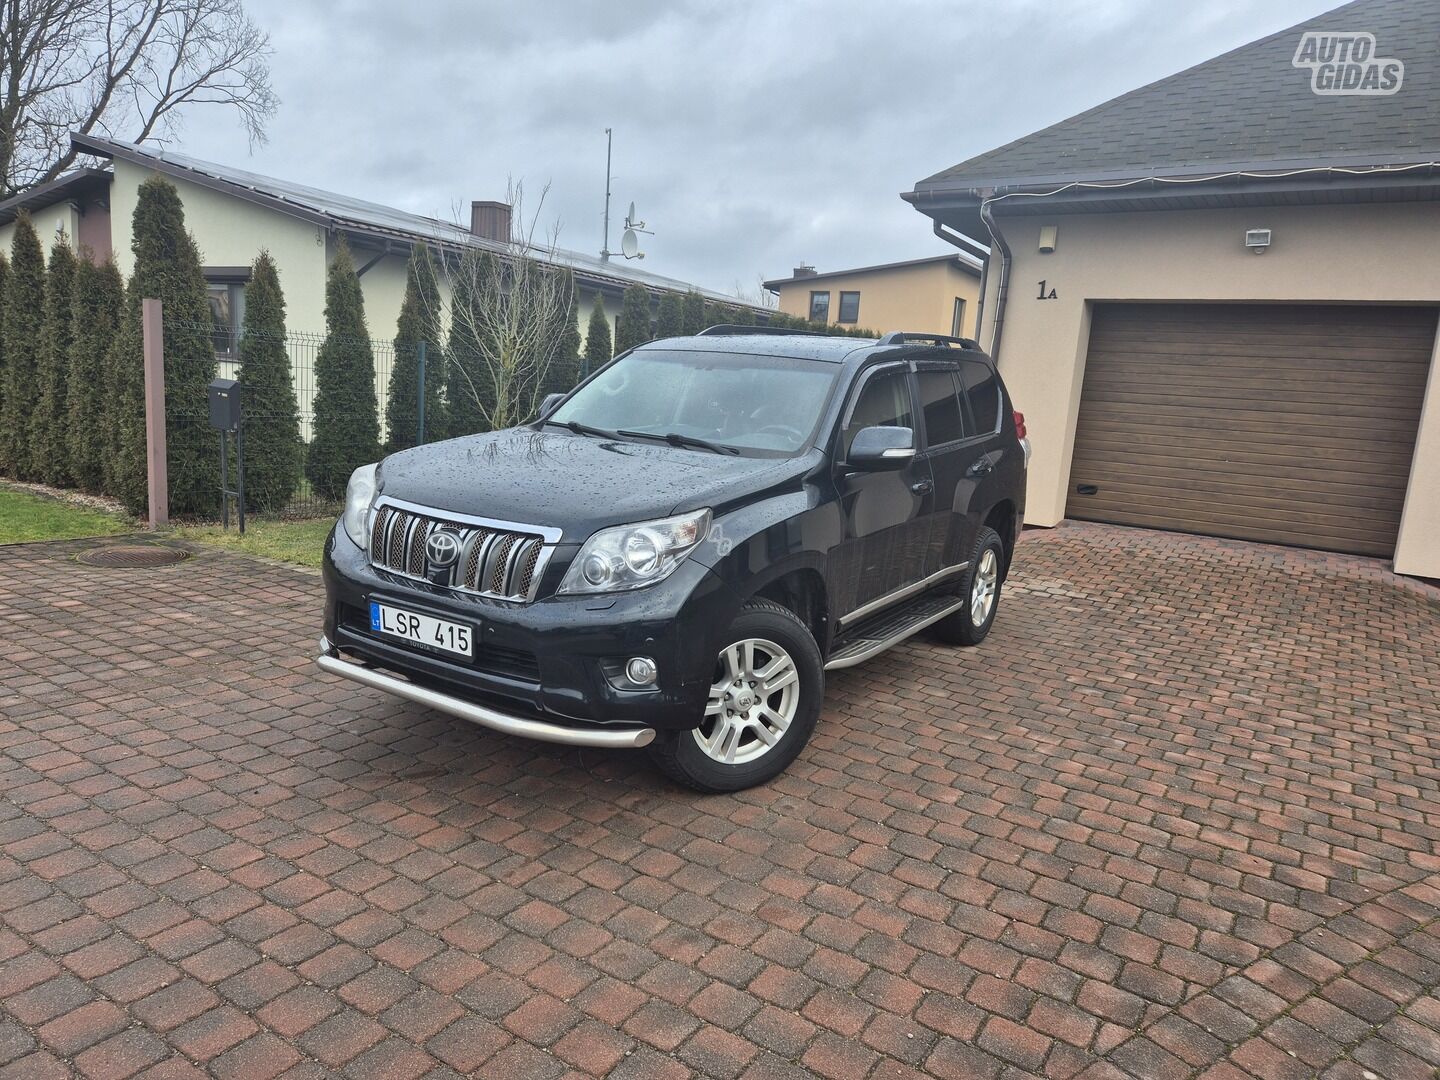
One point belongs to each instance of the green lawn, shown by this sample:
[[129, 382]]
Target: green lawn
[[300, 542], [25, 517]]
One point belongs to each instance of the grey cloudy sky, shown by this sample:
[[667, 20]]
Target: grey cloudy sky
[[751, 135]]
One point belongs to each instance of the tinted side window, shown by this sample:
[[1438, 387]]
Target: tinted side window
[[941, 407], [884, 402], [983, 390]]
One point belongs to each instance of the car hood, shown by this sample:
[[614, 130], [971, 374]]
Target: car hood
[[576, 483]]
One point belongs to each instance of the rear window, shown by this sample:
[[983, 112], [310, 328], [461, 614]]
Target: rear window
[[982, 387], [941, 407]]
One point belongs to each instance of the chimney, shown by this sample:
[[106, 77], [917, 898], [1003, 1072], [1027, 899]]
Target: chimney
[[804, 271], [490, 220]]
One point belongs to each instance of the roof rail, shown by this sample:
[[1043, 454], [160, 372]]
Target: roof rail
[[905, 337], [730, 329]]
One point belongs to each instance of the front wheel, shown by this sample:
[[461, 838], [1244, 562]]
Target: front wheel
[[763, 703]]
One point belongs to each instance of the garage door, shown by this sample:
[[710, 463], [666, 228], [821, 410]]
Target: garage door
[[1292, 425]]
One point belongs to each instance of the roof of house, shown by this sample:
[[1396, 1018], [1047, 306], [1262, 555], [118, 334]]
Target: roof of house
[[1248, 109], [359, 216], [79, 184], [969, 266]]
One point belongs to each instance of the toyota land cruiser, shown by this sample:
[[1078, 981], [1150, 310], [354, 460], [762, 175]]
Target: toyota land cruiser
[[676, 551]]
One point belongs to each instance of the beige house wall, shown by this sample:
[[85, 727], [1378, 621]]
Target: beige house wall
[[47, 221], [230, 232], [897, 298], [1359, 254]]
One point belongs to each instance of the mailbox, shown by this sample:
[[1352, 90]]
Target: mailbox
[[225, 404]]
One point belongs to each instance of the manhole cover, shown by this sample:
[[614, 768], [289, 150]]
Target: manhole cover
[[132, 556]]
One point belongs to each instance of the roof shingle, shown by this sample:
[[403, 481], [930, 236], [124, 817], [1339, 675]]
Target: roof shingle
[[1246, 107]]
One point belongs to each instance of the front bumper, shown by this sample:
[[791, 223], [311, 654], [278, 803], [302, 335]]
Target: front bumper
[[545, 668], [494, 719]]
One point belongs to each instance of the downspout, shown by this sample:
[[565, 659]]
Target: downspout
[[997, 244], [965, 244]]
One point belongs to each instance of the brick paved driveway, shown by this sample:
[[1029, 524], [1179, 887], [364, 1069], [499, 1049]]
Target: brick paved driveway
[[1179, 814]]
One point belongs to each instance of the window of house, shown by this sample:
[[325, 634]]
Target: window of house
[[227, 313], [957, 321], [849, 307], [820, 307], [884, 402], [983, 391], [941, 406]]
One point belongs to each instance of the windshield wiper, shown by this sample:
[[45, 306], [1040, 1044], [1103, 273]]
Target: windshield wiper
[[584, 429], [676, 439]]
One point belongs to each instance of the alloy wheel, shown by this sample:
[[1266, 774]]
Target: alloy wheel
[[982, 592], [753, 700]]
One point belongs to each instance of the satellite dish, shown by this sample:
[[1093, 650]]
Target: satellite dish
[[630, 245], [631, 216]]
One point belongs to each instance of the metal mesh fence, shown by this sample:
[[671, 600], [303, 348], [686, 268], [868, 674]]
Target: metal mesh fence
[[282, 490]]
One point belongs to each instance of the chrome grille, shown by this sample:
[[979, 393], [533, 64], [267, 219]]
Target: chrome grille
[[500, 562], [527, 564], [503, 563], [415, 564]]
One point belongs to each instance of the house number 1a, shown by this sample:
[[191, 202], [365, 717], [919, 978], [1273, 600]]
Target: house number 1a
[[1051, 295]]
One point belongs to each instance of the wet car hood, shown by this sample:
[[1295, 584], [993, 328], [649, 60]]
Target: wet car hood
[[577, 483]]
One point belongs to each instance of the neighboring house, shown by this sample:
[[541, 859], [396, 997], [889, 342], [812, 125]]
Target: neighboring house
[[233, 214], [1174, 372], [938, 295]]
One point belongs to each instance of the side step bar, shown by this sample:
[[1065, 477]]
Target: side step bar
[[623, 738], [894, 630]]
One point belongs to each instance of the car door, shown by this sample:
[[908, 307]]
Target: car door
[[998, 463], [958, 465], [883, 546]]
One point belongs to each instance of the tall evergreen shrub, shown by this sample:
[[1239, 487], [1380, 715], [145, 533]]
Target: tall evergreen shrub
[[273, 450], [347, 413]]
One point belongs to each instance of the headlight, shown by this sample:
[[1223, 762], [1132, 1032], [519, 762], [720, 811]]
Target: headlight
[[630, 556], [358, 496]]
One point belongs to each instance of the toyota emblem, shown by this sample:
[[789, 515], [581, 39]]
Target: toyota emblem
[[442, 549]]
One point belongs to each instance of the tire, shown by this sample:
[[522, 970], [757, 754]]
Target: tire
[[971, 623], [737, 716]]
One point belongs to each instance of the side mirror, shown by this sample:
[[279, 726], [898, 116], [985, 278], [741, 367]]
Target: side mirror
[[548, 405], [879, 448]]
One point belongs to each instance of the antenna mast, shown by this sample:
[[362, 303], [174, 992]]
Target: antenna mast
[[605, 244]]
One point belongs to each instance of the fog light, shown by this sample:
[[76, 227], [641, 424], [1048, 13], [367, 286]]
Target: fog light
[[640, 670]]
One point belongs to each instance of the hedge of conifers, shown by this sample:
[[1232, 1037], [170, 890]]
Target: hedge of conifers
[[72, 376]]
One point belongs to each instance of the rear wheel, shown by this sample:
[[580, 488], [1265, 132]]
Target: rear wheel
[[763, 703], [980, 589]]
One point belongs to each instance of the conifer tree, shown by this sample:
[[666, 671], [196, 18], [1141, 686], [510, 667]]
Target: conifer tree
[[670, 321], [20, 323], [167, 268], [49, 424], [419, 322], [95, 321], [124, 467], [694, 313], [466, 378], [598, 350], [347, 414], [744, 315], [563, 369], [273, 450], [633, 327]]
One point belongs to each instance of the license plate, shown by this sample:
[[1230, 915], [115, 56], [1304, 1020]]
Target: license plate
[[420, 629]]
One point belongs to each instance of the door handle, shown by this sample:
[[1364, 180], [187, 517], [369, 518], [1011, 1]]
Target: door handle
[[983, 467], [922, 487]]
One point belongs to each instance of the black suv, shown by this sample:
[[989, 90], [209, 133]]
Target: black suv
[[677, 551]]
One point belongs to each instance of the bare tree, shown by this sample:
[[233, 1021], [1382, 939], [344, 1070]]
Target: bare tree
[[508, 317], [123, 69]]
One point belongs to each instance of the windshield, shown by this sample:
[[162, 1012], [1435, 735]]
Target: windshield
[[756, 404]]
